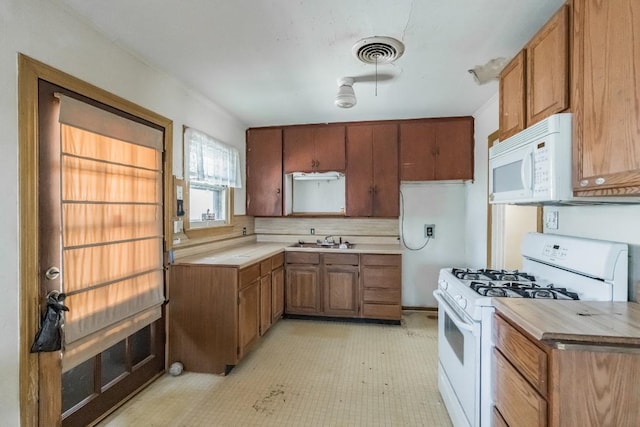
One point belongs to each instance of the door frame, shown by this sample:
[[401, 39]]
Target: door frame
[[29, 72], [496, 214]]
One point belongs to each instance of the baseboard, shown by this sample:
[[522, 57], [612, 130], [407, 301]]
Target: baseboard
[[430, 309]]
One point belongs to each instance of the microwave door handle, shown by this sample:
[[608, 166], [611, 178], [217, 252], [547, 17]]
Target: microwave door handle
[[525, 171]]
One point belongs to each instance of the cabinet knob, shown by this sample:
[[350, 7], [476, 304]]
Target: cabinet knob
[[277, 191], [600, 181], [584, 183]]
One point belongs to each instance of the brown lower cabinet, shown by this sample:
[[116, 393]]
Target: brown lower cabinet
[[344, 285], [563, 384], [217, 313]]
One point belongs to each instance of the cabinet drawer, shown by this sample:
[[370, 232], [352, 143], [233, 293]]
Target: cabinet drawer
[[528, 358], [381, 277], [391, 296], [277, 260], [265, 267], [518, 402], [382, 311], [249, 275], [303, 258], [391, 260], [341, 259]]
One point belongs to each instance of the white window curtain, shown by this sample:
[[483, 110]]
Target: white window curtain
[[211, 162], [112, 227]]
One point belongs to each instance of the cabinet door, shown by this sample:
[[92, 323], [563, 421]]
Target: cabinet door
[[454, 152], [264, 172], [417, 151], [303, 289], [265, 303], [277, 293], [386, 184], [606, 90], [341, 290], [298, 149], [512, 97], [548, 69], [359, 176], [248, 317], [329, 148]]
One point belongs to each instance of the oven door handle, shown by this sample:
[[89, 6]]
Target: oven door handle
[[455, 317]]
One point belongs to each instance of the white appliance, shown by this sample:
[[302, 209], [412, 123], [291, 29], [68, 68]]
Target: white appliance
[[558, 267], [535, 167]]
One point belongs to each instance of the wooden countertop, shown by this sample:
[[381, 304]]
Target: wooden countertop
[[244, 255], [591, 322]]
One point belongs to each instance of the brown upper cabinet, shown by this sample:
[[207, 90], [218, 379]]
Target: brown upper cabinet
[[264, 172], [535, 84], [606, 89], [436, 149], [314, 148], [372, 171]]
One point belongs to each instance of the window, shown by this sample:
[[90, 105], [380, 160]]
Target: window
[[212, 169]]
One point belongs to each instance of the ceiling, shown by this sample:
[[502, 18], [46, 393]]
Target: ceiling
[[276, 62]]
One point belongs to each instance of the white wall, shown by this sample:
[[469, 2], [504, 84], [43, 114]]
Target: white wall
[[616, 223], [486, 122], [442, 204], [49, 34]]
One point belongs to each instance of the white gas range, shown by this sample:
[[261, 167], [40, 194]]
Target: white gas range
[[557, 267]]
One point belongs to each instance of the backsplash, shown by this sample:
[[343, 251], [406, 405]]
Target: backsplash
[[328, 226]]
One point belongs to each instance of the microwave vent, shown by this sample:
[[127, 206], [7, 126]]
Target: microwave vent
[[551, 124]]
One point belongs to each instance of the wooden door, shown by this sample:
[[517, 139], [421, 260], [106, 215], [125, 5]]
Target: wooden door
[[454, 159], [341, 296], [88, 256], [548, 69], [303, 289], [329, 148], [277, 293], [264, 172], [359, 185], [265, 303], [386, 183], [512, 96], [418, 151], [606, 122], [248, 317], [298, 149]]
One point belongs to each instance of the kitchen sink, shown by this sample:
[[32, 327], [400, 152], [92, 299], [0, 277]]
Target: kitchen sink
[[321, 245]]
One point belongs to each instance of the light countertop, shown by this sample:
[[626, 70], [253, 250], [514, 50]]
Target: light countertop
[[591, 322], [246, 254]]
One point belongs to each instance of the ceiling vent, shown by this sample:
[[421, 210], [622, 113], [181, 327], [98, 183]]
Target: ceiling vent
[[378, 50]]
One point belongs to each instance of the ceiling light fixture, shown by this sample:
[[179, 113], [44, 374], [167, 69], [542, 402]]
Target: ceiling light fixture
[[346, 97]]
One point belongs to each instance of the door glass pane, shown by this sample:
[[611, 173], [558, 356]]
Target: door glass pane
[[77, 384], [454, 338], [140, 345], [114, 362]]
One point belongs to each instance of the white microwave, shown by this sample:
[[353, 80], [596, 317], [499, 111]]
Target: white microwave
[[534, 167]]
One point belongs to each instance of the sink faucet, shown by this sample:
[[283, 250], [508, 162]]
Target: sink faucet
[[329, 239]]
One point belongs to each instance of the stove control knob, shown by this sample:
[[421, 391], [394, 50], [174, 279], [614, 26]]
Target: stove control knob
[[462, 302], [444, 284]]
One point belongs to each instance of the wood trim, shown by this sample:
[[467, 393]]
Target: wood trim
[[372, 122], [29, 72], [492, 139]]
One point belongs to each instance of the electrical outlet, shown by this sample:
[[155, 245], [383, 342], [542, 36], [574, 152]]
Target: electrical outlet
[[313, 231], [244, 231], [430, 231], [551, 220]]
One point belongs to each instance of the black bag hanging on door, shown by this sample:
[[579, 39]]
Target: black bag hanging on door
[[49, 336]]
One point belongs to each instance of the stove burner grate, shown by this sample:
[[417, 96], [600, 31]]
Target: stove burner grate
[[519, 290]]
